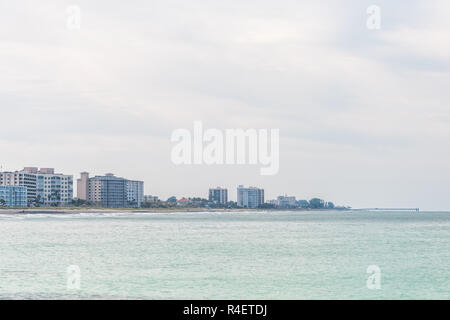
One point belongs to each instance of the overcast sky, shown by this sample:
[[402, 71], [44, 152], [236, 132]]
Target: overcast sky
[[364, 115]]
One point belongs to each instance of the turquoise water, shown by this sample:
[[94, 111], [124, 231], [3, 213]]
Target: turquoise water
[[245, 255]]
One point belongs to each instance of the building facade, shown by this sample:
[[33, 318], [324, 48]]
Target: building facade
[[23, 179], [286, 201], [44, 186], [250, 197], [135, 193], [13, 196], [218, 195], [109, 191], [150, 198], [82, 186], [52, 189]]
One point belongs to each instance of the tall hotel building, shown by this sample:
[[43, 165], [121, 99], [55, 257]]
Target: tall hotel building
[[44, 186], [109, 191], [250, 197], [218, 195]]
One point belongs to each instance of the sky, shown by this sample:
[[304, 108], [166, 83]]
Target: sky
[[363, 114]]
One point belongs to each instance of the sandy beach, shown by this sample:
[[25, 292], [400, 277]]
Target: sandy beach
[[104, 210]]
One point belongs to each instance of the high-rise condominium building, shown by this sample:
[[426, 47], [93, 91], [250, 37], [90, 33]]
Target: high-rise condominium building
[[218, 195], [44, 186], [250, 197], [135, 193], [82, 186], [13, 196], [110, 191]]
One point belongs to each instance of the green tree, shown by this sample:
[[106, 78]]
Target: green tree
[[266, 206], [316, 203], [172, 199]]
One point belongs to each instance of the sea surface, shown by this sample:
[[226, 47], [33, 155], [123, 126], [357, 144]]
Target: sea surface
[[226, 255]]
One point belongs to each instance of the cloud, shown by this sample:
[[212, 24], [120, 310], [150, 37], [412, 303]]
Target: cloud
[[133, 74]]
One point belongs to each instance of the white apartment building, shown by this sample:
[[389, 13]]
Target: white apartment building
[[52, 189], [250, 197], [218, 195], [286, 201], [44, 186], [22, 179]]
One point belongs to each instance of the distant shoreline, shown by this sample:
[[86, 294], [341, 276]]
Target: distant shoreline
[[131, 210]]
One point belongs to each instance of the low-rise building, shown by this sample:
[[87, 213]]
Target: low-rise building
[[150, 198], [13, 196], [285, 201], [23, 179], [183, 202]]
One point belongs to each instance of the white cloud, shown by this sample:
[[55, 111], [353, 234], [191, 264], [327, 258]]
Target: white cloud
[[354, 105]]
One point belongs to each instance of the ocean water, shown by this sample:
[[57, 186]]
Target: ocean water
[[234, 255]]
